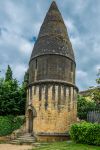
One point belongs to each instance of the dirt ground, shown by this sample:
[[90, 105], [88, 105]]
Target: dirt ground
[[15, 147]]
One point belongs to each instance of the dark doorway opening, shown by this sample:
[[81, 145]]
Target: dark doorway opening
[[30, 123]]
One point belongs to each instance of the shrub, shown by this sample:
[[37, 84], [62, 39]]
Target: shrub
[[87, 133], [17, 122], [5, 125], [9, 123]]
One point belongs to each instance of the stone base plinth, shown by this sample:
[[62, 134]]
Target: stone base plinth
[[48, 137]]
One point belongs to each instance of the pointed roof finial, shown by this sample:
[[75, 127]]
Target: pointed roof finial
[[53, 5], [53, 1]]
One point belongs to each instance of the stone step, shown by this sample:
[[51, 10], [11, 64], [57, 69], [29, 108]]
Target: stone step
[[29, 138], [26, 138], [22, 142], [28, 134]]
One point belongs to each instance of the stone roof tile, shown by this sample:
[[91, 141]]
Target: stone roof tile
[[53, 37]]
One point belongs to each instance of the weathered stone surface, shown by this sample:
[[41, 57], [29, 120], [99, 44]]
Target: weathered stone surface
[[51, 96], [53, 115], [52, 67], [53, 37]]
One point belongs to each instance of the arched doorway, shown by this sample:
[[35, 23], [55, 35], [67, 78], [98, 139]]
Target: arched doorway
[[30, 121], [30, 115]]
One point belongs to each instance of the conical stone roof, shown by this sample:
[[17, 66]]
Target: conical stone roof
[[53, 37]]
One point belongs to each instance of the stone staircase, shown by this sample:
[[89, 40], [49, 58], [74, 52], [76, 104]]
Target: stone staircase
[[27, 138]]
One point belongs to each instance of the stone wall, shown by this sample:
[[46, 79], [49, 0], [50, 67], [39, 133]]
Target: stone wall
[[55, 105], [52, 67]]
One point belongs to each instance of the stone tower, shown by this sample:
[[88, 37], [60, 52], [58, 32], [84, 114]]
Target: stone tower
[[51, 96]]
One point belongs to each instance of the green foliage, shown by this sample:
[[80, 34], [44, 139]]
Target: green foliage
[[95, 93], [96, 96], [84, 106], [87, 133], [5, 126], [12, 96], [23, 92], [9, 123], [98, 78], [26, 79], [8, 75], [17, 122], [66, 145]]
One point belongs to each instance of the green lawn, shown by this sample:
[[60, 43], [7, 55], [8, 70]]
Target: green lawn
[[66, 146]]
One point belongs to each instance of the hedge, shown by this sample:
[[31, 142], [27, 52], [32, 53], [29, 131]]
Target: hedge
[[87, 133], [10, 123]]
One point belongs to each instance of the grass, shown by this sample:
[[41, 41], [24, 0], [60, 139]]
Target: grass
[[66, 146]]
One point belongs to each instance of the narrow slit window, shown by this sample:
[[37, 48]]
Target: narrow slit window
[[71, 66], [36, 64], [30, 93]]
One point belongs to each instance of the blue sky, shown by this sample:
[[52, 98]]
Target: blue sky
[[20, 21]]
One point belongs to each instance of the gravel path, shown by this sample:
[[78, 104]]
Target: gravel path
[[15, 147]]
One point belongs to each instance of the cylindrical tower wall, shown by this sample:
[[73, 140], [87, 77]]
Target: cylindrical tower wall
[[56, 107], [52, 67]]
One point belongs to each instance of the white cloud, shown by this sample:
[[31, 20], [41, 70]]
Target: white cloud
[[81, 74], [96, 47], [97, 68], [37, 27], [77, 6], [83, 80], [77, 42], [26, 47], [70, 25], [19, 71], [20, 20]]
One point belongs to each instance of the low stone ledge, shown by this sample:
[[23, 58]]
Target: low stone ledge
[[51, 137], [53, 134], [42, 136]]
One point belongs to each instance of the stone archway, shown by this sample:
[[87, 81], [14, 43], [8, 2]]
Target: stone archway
[[30, 115]]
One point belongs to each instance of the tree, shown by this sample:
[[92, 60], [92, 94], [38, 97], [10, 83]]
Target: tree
[[95, 93], [98, 78], [12, 95], [9, 98], [1, 92], [8, 75], [23, 91], [84, 106]]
